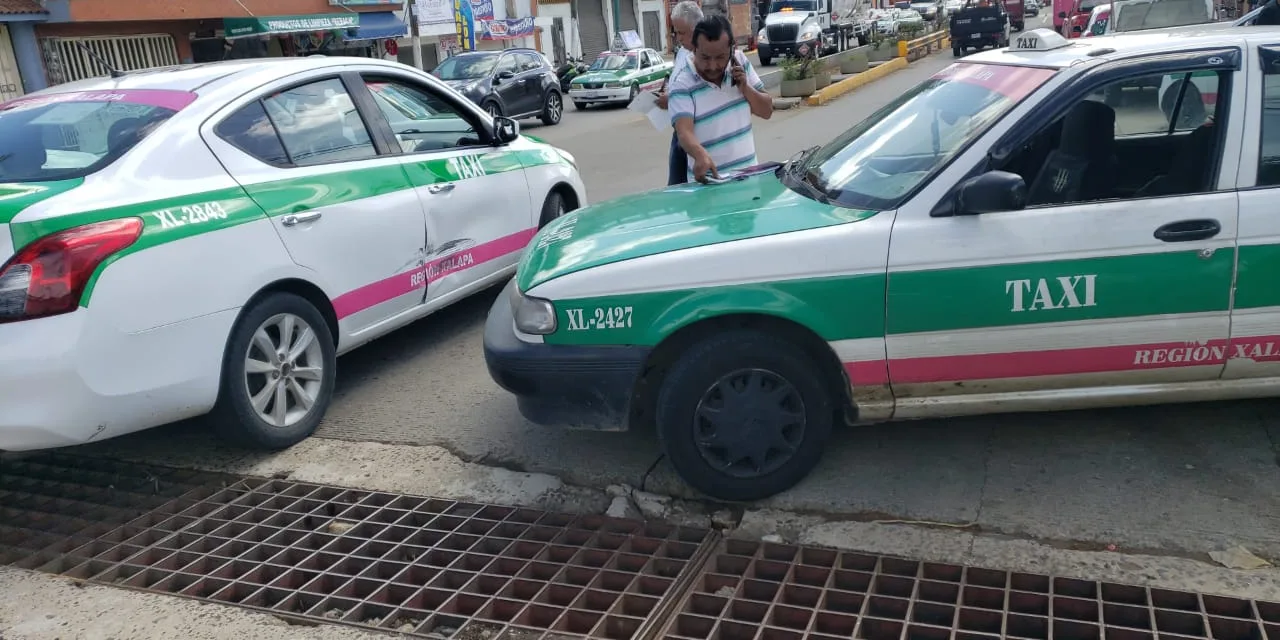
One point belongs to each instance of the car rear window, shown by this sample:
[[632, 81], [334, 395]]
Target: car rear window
[[70, 135]]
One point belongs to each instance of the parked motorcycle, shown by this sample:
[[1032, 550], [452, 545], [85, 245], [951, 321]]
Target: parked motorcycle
[[568, 70]]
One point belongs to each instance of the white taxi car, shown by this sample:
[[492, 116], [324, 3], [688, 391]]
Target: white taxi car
[[1003, 237], [210, 237]]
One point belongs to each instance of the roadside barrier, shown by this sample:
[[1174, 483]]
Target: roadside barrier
[[920, 47], [835, 90]]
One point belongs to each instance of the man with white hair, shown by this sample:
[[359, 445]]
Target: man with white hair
[[684, 16]]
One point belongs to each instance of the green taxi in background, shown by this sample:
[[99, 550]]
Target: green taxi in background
[[1000, 238], [617, 77]]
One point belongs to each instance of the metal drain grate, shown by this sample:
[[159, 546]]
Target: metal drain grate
[[765, 591], [54, 503], [400, 563]]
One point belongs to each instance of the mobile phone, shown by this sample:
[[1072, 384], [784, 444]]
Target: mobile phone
[[733, 60]]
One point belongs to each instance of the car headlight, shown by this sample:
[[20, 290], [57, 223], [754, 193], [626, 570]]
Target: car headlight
[[809, 34], [534, 316], [762, 37]]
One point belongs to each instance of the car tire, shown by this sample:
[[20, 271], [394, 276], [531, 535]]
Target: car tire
[[581, 106], [956, 51], [765, 61], [696, 379], [553, 207], [635, 91], [552, 108], [492, 107], [235, 416]]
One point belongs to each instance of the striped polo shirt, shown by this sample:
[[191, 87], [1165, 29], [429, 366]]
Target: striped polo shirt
[[721, 115]]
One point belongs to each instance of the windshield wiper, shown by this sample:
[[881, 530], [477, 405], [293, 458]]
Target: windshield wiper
[[805, 178]]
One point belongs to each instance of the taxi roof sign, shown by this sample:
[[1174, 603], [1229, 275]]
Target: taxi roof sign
[[1038, 40]]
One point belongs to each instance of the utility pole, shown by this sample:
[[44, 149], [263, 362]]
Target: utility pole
[[411, 10]]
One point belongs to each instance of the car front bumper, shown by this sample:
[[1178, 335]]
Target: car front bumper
[[570, 386], [780, 49], [621, 94]]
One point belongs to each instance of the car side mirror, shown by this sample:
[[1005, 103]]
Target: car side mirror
[[991, 192], [505, 129], [505, 75]]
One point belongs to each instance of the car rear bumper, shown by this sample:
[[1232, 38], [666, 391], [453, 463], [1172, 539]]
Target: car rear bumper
[[570, 386], [68, 380]]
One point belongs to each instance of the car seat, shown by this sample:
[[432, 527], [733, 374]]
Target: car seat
[[1188, 172], [23, 155], [1082, 167]]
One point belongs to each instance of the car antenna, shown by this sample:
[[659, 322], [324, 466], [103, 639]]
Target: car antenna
[[115, 73]]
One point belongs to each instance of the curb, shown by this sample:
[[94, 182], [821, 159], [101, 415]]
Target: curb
[[833, 91]]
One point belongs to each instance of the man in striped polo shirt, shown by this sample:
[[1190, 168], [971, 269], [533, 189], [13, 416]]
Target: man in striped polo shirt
[[711, 108]]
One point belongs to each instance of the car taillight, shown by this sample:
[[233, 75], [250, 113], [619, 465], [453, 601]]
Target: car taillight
[[48, 276]]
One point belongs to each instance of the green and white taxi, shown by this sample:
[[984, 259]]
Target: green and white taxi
[[617, 77], [1003, 237], [210, 237]]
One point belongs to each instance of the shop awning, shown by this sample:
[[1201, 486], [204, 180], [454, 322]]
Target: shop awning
[[378, 25], [271, 25]]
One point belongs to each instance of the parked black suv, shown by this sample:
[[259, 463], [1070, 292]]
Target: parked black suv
[[517, 83]]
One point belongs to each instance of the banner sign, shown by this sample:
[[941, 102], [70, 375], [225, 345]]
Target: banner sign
[[509, 29], [482, 10], [465, 24]]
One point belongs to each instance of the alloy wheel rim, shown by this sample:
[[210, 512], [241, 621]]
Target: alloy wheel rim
[[554, 107], [284, 370], [749, 423]]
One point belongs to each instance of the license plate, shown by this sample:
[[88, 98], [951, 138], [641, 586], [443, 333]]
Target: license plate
[[592, 96], [975, 36]]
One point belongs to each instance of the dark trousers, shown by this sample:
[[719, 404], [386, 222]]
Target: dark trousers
[[677, 163]]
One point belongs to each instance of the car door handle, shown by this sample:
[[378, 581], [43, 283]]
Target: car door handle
[[1188, 230], [299, 218], [441, 188]]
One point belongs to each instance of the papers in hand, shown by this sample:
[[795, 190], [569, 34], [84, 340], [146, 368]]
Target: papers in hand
[[647, 103]]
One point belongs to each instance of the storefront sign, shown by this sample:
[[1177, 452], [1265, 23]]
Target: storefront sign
[[466, 25], [241, 27], [510, 29], [433, 12], [365, 3]]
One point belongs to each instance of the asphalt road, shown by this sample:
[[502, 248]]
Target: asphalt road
[[1176, 478]]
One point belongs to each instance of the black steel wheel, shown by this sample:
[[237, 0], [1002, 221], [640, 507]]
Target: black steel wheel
[[744, 415]]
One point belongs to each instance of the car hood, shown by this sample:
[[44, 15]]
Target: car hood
[[672, 219], [463, 85], [600, 76], [788, 17]]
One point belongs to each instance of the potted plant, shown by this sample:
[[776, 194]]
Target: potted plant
[[798, 76], [854, 62], [822, 75], [884, 46]]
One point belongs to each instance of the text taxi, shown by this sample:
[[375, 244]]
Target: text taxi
[[209, 238], [999, 238]]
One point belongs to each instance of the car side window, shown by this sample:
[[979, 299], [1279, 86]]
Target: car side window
[[318, 124], [1139, 137], [250, 130], [1269, 149], [529, 62], [421, 120], [508, 63]]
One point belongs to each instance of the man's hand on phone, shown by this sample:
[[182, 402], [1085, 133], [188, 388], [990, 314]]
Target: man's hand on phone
[[660, 97]]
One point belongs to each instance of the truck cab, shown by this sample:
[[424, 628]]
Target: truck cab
[[810, 28]]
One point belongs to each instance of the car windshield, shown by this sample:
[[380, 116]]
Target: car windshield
[[616, 61], [883, 159], [71, 135], [1159, 14], [466, 67], [792, 5]]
